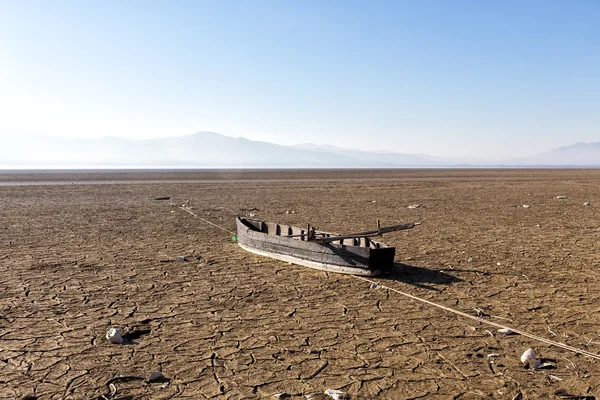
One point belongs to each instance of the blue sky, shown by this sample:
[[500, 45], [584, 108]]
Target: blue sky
[[447, 78]]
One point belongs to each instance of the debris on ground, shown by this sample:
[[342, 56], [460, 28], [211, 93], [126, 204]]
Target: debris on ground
[[114, 336], [156, 376], [587, 203], [413, 206], [526, 205], [528, 355], [337, 394], [562, 197], [162, 198], [507, 331], [181, 259], [480, 313], [562, 393]]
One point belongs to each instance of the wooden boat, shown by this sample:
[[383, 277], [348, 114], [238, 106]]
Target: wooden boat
[[355, 254]]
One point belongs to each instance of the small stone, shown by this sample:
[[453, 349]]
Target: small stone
[[470, 259], [507, 331], [156, 376], [525, 206], [336, 394], [587, 203], [562, 197], [373, 286], [114, 336], [181, 259], [528, 355], [498, 263]]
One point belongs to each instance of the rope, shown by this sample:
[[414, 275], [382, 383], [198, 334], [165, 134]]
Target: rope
[[431, 303], [207, 221], [484, 321]]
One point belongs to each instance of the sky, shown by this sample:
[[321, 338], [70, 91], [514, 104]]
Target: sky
[[444, 78]]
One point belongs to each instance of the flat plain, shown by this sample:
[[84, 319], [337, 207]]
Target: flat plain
[[83, 251]]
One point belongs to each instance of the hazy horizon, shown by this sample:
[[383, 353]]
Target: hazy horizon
[[447, 79]]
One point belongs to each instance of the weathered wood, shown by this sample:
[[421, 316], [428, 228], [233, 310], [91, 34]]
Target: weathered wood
[[378, 232], [365, 257]]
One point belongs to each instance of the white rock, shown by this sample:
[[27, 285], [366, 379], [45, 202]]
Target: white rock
[[587, 203], [493, 355], [527, 356], [336, 394], [507, 331], [561, 197], [114, 336], [526, 206]]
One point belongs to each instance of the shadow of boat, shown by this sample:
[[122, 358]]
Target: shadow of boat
[[419, 276]]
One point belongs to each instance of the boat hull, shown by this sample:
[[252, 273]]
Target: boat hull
[[267, 239]]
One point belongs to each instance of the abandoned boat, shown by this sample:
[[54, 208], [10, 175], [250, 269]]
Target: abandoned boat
[[355, 254]]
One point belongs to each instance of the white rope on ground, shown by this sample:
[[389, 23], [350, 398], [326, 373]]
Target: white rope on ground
[[431, 303], [205, 220], [484, 321]]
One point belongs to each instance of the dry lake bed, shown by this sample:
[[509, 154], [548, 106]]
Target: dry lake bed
[[84, 251]]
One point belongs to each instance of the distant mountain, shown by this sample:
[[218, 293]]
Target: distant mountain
[[212, 150], [376, 157], [203, 149], [578, 154]]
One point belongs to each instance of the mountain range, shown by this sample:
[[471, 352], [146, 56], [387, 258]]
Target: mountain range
[[212, 150]]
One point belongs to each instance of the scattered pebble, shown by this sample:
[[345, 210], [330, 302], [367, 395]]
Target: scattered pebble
[[493, 355], [561, 197], [155, 376], [180, 258], [114, 336], [373, 286], [413, 206], [470, 259], [507, 331], [336, 394], [587, 203], [252, 215], [282, 395], [290, 212], [526, 206], [479, 312], [527, 356], [498, 263]]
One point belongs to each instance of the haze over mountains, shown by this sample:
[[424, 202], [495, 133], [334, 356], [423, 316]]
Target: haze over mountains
[[212, 150]]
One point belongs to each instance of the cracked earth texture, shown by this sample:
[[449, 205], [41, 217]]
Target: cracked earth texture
[[84, 251]]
